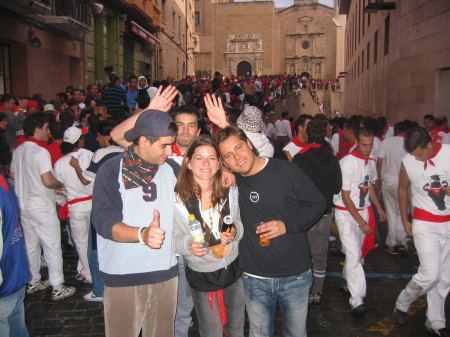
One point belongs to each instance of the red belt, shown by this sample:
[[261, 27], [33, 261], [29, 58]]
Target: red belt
[[421, 214], [63, 212]]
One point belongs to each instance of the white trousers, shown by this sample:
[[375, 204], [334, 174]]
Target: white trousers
[[79, 228], [352, 238], [396, 233], [432, 241], [41, 228]]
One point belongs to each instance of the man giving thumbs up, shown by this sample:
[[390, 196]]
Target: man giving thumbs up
[[133, 214]]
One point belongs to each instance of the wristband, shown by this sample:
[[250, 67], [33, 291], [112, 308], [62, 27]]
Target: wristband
[[365, 223], [140, 235]]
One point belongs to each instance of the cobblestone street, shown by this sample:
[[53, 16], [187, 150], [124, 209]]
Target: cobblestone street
[[386, 277]]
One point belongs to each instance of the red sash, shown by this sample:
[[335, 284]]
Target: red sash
[[63, 212], [421, 214], [369, 239]]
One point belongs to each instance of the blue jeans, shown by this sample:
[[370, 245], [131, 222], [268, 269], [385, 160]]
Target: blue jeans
[[185, 304], [261, 296], [12, 315], [98, 284]]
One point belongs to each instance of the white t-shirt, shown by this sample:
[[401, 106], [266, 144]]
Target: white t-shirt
[[356, 178], [292, 149], [268, 130], [75, 189], [426, 184], [335, 143], [283, 128], [29, 162], [392, 152], [375, 148]]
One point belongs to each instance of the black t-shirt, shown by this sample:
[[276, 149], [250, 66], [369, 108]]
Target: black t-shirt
[[280, 191]]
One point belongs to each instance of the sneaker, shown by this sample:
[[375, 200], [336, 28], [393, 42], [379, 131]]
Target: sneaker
[[82, 278], [403, 249], [358, 310], [34, 288], [64, 293], [391, 250], [90, 297], [315, 298], [400, 316], [439, 332]]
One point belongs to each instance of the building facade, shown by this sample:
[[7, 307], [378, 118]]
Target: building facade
[[125, 38], [397, 59], [41, 46], [173, 58], [255, 38]]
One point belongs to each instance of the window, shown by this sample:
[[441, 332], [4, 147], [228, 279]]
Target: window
[[358, 64], [375, 47], [305, 45], [386, 35], [368, 55], [197, 18]]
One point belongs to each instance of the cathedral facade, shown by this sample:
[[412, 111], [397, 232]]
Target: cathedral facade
[[255, 38]]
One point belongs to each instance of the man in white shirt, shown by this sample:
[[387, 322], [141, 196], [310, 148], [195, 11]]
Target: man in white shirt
[[35, 187], [299, 141], [283, 129], [388, 167], [268, 129], [353, 214], [424, 175]]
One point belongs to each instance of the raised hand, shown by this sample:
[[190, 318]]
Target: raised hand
[[216, 113], [163, 98]]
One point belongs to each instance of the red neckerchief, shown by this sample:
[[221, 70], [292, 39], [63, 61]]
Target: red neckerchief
[[359, 155], [340, 132], [130, 89], [3, 183], [176, 150], [282, 119], [38, 142], [437, 147], [298, 142], [381, 138], [308, 147], [436, 129], [401, 134]]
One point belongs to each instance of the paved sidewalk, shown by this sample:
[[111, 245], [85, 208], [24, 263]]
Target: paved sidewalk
[[386, 277]]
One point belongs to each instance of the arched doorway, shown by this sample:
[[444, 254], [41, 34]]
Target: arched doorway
[[305, 74], [244, 68]]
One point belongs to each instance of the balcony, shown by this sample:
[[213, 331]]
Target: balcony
[[146, 12], [70, 16], [27, 7]]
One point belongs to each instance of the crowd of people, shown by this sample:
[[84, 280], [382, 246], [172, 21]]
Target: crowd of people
[[129, 187]]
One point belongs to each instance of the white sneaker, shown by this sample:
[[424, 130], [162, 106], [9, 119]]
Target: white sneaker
[[92, 298], [34, 288], [64, 293]]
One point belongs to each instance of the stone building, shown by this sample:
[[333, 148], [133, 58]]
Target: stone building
[[397, 58], [173, 35], [256, 38]]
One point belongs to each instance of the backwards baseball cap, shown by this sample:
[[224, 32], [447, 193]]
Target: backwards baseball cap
[[151, 123], [32, 103], [72, 134]]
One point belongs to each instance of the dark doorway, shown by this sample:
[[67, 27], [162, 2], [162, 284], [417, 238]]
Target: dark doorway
[[304, 74], [244, 68]]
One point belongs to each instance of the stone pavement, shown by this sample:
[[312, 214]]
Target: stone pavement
[[386, 277]]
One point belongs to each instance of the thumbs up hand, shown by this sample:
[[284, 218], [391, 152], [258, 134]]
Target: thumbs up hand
[[153, 236]]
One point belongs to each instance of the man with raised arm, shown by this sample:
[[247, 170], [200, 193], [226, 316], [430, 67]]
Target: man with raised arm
[[278, 202]]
